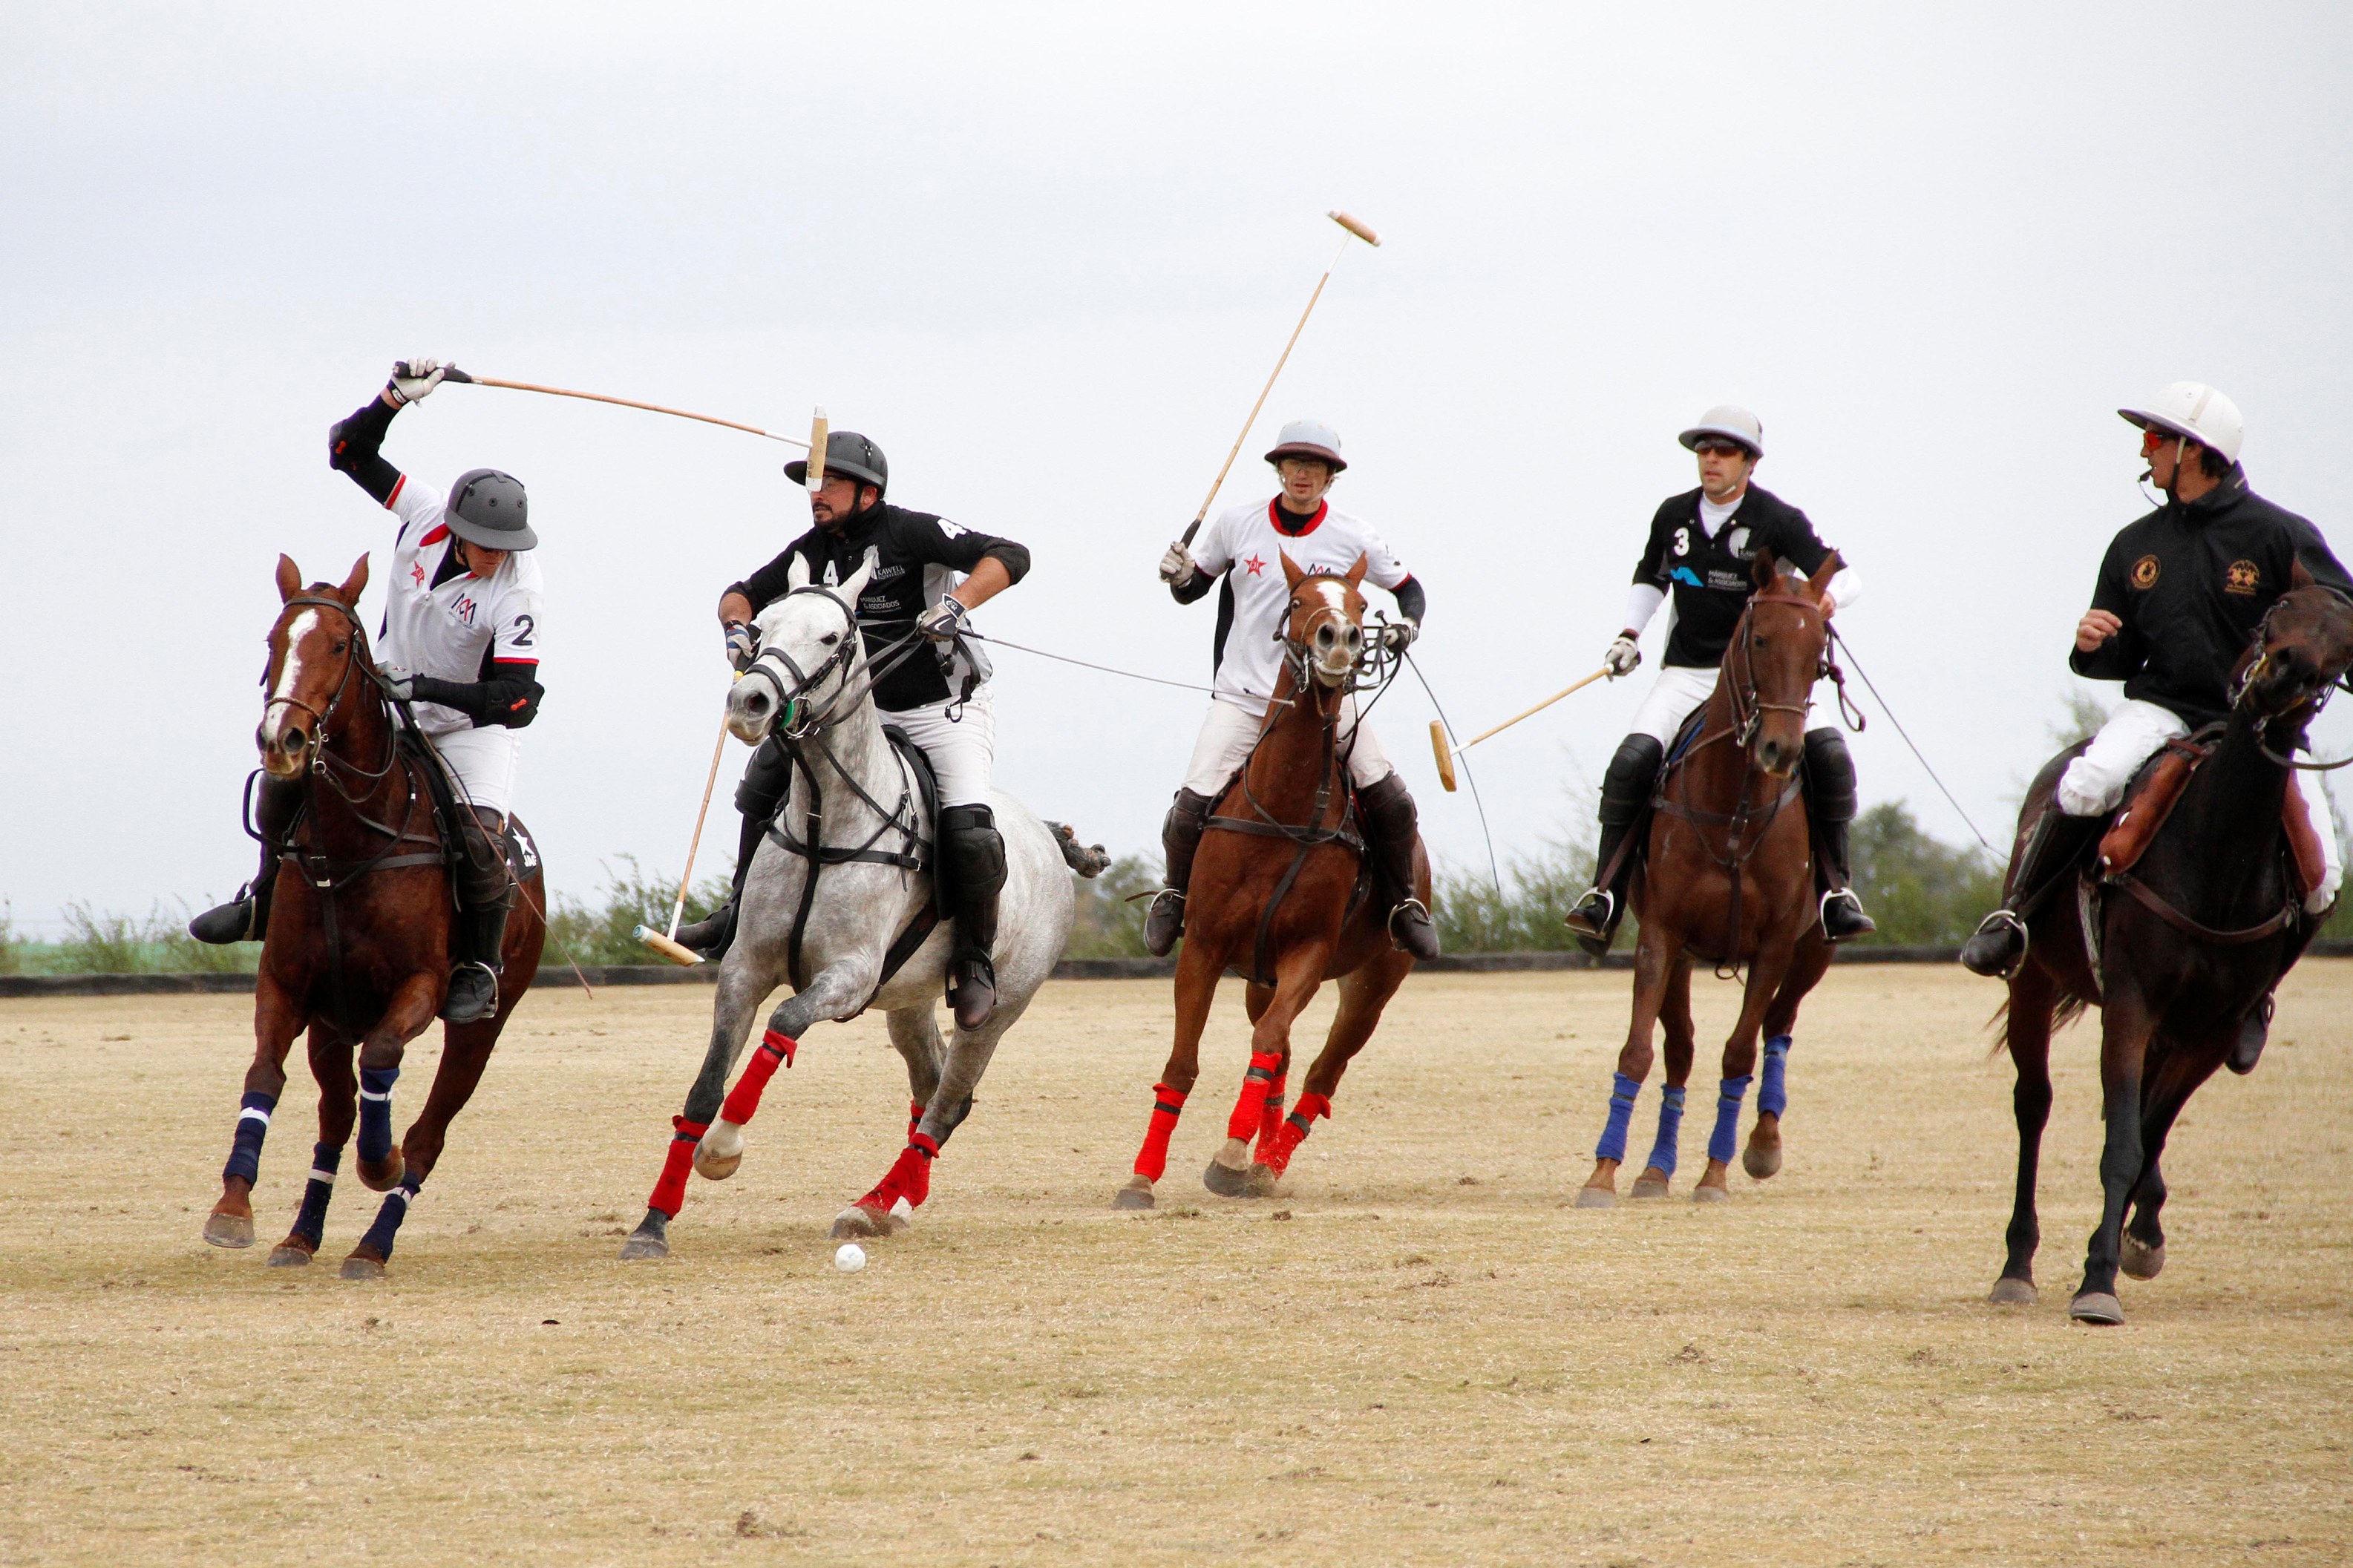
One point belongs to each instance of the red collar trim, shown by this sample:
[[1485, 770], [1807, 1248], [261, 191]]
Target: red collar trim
[[1286, 522]]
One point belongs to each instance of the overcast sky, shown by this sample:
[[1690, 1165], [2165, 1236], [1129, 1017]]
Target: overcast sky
[[1045, 256]]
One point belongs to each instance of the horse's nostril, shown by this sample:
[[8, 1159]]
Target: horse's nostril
[[291, 740]]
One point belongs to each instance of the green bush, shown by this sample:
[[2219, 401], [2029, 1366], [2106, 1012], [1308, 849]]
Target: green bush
[[633, 896], [1524, 916], [108, 944], [1923, 891], [1108, 921]]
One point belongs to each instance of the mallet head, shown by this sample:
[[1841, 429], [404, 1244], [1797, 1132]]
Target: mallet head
[[1356, 226]]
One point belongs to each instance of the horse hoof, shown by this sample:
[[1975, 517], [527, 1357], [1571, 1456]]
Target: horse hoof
[[1262, 1178], [1647, 1185], [1710, 1195], [858, 1220], [356, 1267], [2141, 1261], [2009, 1292], [1595, 1198], [1230, 1181], [2096, 1307], [289, 1254], [382, 1177], [1761, 1161], [716, 1158], [1136, 1195], [643, 1245], [230, 1230]]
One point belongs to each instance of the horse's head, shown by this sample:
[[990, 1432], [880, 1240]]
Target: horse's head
[[315, 650], [1775, 657], [810, 649], [2302, 647], [1324, 628]]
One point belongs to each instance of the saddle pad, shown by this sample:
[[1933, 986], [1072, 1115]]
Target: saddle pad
[[927, 783], [2150, 800]]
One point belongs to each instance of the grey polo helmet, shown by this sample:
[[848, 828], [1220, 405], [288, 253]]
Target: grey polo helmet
[[846, 452], [1308, 438], [1730, 422], [489, 509]]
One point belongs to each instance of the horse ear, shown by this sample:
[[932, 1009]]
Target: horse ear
[[2297, 577], [356, 584], [1356, 573], [1820, 577], [1761, 570], [1290, 573], [797, 571], [857, 579], [290, 578]]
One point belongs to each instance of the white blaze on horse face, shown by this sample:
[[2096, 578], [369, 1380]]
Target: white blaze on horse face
[[1334, 663], [290, 677]]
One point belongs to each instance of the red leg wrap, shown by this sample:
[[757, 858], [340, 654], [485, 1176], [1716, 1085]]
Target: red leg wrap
[[910, 1177], [1295, 1128], [1264, 1069], [744, 1100], [670, 1193], [1270, 1119], [1152, 1160], [914, 1116]]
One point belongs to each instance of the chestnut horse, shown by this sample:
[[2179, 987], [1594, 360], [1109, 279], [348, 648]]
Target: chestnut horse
[[358, 944], [1279, 892], [1730, 878], [2212, 919]]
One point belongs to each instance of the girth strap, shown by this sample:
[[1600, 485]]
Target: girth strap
[[2150, 899]]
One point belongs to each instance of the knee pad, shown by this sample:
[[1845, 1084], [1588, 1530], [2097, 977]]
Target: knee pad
[[1830, 775], [482, 879], [766, 777], [1626, 786], [974, 850]]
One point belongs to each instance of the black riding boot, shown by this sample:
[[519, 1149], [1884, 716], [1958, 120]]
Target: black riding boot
[[1180, 834], [2056, 842], [1625, 802], [1391, 830], [485, 894], [766, 777], [1830, 806], [2255, 1028], [245, 918], [972, 857]]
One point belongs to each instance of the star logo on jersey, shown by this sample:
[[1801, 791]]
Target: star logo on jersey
[[2244, 577], [1257, 567], [416, 570]]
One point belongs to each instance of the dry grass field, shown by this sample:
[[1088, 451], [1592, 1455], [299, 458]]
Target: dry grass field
[[1418, 1355]]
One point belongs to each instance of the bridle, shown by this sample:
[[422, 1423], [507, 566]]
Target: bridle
[[2316, 694], [323, 762], [796, 717], [1748, 705]]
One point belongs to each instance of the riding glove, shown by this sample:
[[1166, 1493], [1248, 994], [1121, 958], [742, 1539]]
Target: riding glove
[[743, 644], [400, 685], [413, 379], [1398, 635], [943, 622], [1177, 568], [1622, 657]]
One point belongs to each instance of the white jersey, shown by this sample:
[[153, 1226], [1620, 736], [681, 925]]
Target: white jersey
[[1244, 545], [441, 620]]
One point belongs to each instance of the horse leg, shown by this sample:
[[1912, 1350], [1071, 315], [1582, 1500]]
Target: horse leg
[[414, 1001], [1656, 956], [2126, 1026], [915, 1032], [1364, 993], [1764, 974], [276, 1020], [1762, 1157], [1298, 976], [1197, 986], [936, 1114], [2141, 1253], [465, 1052], [331, 1065], [747, 976], [2033, 996], [1256, 999], [1681, 1045]]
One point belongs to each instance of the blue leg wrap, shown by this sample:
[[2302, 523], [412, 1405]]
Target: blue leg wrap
[[312, 1223], [1671, 1128], [1772, 1089], [252, 1127], [387, 1219], [1725, 1141], [1621, 1112], [376, 1112]]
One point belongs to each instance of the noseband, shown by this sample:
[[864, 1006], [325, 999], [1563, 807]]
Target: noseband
[[1294, 649], [795, 696], [1748, 709]]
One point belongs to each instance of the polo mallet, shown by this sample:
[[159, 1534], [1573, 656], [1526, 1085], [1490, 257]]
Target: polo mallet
[[1356, 231], [1446, 758], [667, 944], [815, 444]]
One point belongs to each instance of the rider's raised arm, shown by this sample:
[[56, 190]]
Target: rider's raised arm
[[2121, 657], [355, 447]]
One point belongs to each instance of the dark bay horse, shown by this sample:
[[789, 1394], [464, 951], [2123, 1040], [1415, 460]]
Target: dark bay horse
[[1280, 892], [358, 945], [2212, 916], [1730, 878]]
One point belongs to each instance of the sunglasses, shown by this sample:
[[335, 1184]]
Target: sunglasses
[[1720, 449]]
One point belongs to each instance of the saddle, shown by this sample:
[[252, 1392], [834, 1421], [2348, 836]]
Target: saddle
[[2157, 789], [910, 858]]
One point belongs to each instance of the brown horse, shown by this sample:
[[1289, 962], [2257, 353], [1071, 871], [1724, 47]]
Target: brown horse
[[1730, 878], [2213, 918], [358, 943], [1279, 892]]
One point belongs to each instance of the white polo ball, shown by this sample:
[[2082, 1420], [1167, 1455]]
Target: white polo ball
[[849, 1257]]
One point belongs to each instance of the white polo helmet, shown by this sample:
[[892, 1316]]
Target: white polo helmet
[[1731, 423], [2194, 409], [1308, 438]]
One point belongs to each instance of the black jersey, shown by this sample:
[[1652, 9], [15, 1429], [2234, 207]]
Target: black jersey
[[1708, 577], [2189, 582], [917, 558]]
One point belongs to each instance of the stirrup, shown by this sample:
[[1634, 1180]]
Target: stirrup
[[1414, 907], [2002, 919], [1847, 896], [449, 1002], [1578, 920]]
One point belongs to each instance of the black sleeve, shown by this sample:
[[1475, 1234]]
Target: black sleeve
[[1412, 603], [2121, 657], [771, 581], [1193, 589], [2312, 553], [355, 447], [1794, 540], [508, 694], [1652, 569], [924, 538]]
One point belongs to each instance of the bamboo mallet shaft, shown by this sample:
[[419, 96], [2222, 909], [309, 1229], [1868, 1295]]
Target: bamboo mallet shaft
[[452, 373], [1446, 758]]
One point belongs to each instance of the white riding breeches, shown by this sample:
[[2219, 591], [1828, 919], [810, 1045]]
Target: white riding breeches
[[484, 761], [1229, 731], [962, 749], [2095, 782], [1678, 689]]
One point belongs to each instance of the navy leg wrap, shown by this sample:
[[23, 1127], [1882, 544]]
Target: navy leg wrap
[[376, 1111], [1621, 1112], [1773, 1089], [252, 1127], [1725, 1142], [310, 1224], [387, 1219], [1670, 1127]]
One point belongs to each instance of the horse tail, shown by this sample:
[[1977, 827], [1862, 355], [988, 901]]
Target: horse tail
[[2069, 1009]]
